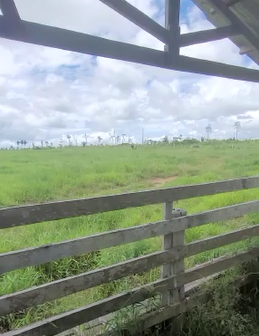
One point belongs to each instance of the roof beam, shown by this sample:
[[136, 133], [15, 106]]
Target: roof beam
[[54, 37], [209, 35], [244, 30], [140, 19], [9, 10], [87, 44], [199, 66]]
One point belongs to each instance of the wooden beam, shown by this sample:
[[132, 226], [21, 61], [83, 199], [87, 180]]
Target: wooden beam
[[208, 35], [34, 33], [244, 30], [53, 37], [172, 14], [142, 20], [9, 10], [204, 67]]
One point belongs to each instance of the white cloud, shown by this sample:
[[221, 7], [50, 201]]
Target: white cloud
[[47, 93]]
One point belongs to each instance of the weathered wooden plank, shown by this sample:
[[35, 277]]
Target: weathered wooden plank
[[40, 255], [208, 35], [204, 67], [211, 243], [29, 214], [63, 287], [64, 39], [172, 240], [82, 315], [167, 312], [50, 291]]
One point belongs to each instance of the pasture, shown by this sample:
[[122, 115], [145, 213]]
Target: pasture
[[30, 176]]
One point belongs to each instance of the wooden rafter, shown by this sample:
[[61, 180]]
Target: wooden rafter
[[34, 33], [9, 10], [244, 30], [88, 44], [209, 35], [139, 18]]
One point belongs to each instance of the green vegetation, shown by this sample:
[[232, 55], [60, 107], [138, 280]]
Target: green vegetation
[[29, 176]]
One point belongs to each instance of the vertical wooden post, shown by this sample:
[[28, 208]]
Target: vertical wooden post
[[172, 14], [175, 267]]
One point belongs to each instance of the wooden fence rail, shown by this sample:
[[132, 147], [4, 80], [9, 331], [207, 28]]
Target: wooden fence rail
[[173, 274]]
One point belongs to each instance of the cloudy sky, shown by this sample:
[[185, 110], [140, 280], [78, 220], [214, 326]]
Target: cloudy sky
[[47, 93]]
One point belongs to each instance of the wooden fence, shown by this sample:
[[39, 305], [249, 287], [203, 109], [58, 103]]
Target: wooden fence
[[172, 227]]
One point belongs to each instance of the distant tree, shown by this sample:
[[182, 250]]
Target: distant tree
[[84, 143], [18, 143], [208, 130], [202, 139], [86, 138], [25, 142], [237, 126], [99, 138], [124, 136], [165, 139], [118, 139], [42, 143], [46, 143], [69, 140]]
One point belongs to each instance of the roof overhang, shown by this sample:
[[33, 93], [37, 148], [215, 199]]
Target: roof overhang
[[238, 21]]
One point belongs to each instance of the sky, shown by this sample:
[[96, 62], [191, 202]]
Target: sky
[[46, 93]]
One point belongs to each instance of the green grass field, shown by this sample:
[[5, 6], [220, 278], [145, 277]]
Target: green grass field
[[30, 176]]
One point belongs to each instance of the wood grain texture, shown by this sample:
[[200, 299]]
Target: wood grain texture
[[68, 320], [22, 215], [170, 241], [40, 255], [50, 291]]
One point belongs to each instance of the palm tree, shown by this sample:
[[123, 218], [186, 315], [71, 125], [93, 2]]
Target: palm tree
[[42, 143], [69, 139], [18, 143], [46, 143], [208, 130], [99, 139], [84, 143], [25, 142], [124, 137], [118, 139], [237, 126]]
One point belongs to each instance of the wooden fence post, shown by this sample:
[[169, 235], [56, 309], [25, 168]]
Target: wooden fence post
[[169, 241]]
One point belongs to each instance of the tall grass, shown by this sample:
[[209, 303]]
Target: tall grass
[[29, 176]]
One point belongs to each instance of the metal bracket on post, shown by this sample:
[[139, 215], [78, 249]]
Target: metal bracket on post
[[175, 267]]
